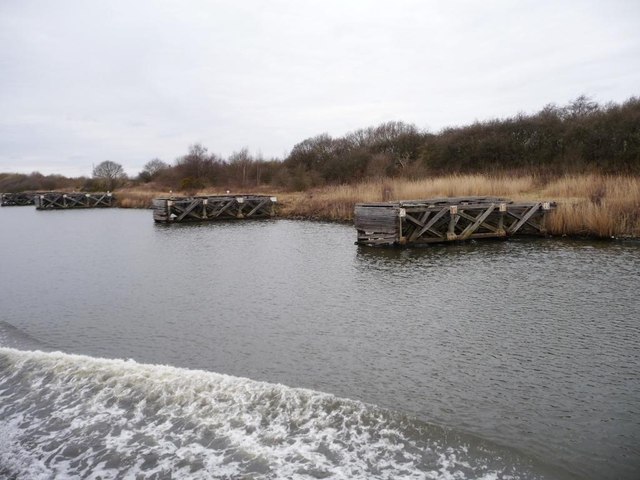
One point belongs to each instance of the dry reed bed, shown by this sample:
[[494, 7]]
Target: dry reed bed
[[137, 198], [595, 205], [589, 205]]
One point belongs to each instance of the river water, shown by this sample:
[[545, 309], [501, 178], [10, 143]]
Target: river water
[[279, 349]]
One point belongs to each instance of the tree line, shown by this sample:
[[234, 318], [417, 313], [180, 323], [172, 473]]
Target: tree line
[[580, 137]]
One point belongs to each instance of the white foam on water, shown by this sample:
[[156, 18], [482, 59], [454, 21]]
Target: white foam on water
[[69, 416]]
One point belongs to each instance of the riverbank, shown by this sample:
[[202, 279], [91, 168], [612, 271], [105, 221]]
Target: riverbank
[[599, 206]]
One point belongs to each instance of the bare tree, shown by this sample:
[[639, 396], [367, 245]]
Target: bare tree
[[198, 166], [581, 107], [109, 174], [241, 162], [151, 169]]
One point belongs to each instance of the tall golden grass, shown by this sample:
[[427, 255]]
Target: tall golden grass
[[595, 205], [337, 202], [137, 198], [592, 205], [588, 205]]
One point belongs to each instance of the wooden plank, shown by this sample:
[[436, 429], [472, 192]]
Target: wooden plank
[[257, 207], [103, 199], [525, 217], [188, 210], [383, 220], [466, 233], [426, 227], [224, 208], [74, 200], [484, 223], [376, 239], [55, 201]]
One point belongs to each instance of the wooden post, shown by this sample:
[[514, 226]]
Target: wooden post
[[240, 202], [451, 232], [169, 207], [503, 210], [546, 206], [402, 213]]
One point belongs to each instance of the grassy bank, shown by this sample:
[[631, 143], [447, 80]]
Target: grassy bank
[[598, 206]]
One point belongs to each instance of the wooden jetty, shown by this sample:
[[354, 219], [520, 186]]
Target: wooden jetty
[[438, 220], [17, 199], [64, 201], [212, 207]]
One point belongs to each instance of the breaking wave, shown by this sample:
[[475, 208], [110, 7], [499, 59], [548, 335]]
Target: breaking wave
[[67, 416]]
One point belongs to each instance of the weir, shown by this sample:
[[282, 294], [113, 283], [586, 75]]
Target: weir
[[439, 220], [64, 201], [17, 199], [213, 207]]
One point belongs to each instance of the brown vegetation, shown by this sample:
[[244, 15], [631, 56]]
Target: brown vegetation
[[595, 205], [600, 206], [583, 155], [337, 202], [581, 137], [37, 182], [137, 198]]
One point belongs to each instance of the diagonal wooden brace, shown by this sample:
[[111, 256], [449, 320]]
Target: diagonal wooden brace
[[525, 219], [196, 202], [257, 207], [473, 219], [467, 232], [427, 226], [224, 208]]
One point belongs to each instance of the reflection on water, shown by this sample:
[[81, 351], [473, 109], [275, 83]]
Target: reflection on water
[[528, 343]]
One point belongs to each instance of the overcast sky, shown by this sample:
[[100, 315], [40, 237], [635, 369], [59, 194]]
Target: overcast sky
[[86, 81]]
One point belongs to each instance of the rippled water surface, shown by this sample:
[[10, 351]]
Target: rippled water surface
[[512, 359]]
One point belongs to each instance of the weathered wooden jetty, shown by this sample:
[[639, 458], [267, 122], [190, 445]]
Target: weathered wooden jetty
[[438, 220], [63, 201], [212, 207], [17, 199]]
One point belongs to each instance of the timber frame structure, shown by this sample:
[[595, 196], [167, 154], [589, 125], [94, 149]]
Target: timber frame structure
[[17, 199], [65, 201], [438, 220], [213, 207]]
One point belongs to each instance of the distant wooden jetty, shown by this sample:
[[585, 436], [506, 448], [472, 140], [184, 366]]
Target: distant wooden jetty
[[17, 199], [64, 201], [212, 207], [439, 220]]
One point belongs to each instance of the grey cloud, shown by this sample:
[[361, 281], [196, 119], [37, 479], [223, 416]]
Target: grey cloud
[[129, 81]]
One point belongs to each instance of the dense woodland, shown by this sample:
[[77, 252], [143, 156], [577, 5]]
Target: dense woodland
[[580, 137]]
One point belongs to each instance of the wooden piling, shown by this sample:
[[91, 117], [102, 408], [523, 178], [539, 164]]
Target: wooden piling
[[17, 199], [212, 207], [65, 201], [439, 220]]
